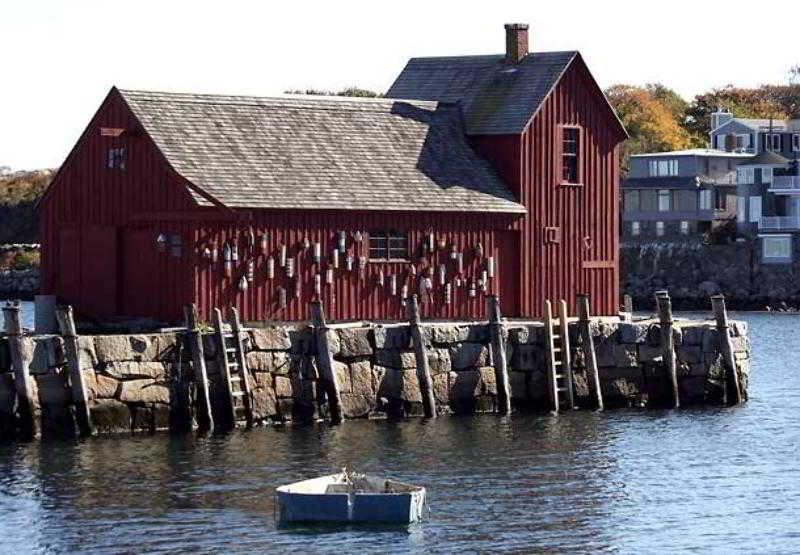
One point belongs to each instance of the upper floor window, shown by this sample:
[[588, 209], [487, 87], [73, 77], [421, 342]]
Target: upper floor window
[[796, 142], [571, 155], [684, 227], [663, 168], [632, 201], [664, 200], [636, 228], [766, 175], [774, 142], [720, 200], [660, 229], [116, 158], [705, 199], [745, 176], [388, 245]]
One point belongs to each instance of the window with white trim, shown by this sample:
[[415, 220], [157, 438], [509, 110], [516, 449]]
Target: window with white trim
[[745, 176], [663, 168], [774, 142], [664, 200], [705, 199], [388, 245], [116, 158], [776, 246], [684, 227], [755, 209], [660, 229], [636, 228], [742, 141], [766, 175], [571, 155]]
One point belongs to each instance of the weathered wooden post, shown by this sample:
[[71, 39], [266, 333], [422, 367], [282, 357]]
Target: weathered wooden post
[[589, 354], [421, 356], [80, 392], [325, 362], [628, 303], [732, 386], [20, 360], [664, 305], [205, 419], [499, 356]]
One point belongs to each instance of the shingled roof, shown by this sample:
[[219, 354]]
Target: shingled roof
[[321, 152], [498, 98]]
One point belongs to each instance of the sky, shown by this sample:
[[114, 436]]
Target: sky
[[59, 58]]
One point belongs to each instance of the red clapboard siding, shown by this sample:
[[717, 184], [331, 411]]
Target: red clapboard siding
[[585, 259]]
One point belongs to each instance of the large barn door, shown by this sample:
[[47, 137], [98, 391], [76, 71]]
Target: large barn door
[[508, 271], [67, 271], [139, 274], [99, 271]]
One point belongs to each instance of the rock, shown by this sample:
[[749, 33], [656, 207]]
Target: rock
[[130, 369], [143, 391], [395, 337], [264, 401], [110, 416], [283, 387], [466, 386], [143, 347], [438, 361], [262, 379], [468, 355], [264, 361], [625, 356], [689, 354], [448, 334], [111, 348], [43, 353], [361, 379], [100, 386], [488, 381], [632, 333], [527, 335], [53, 389], [343, 376], [354, 342], [400, 384], [441, 386], [356, 406], [333, 342], [648, 353], [86, 354], [395, 359], [272, 338]]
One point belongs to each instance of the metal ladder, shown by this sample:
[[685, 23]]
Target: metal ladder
[[559, 365], [233, 366]]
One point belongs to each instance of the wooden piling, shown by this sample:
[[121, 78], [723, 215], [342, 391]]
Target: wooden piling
[[628, 304], [589, 354], [664, 306], [499, 355], [325, 362], [421, 357], [23, 383], [732, 386], [203, 414], [80, 392]]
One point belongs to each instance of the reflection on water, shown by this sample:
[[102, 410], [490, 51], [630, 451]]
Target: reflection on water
[[710, 479]]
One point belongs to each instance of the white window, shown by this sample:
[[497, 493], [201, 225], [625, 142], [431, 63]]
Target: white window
[[660, 229], [636, 228], [742, 141], [663, 200], [740, 207], [776, 246], [719, 141], [755, 209], [774, 142], [684, 227], [766, 175], [745, 176], [705, 199], [663, 168], [796, 142]]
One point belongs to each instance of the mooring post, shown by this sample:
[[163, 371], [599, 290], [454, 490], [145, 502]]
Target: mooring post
[[325, 362], [732, 386], [421, 356], [628, 303], [664, 305], [80, 392], [205, 419], [20, 360], [589, 354], [499, 355]]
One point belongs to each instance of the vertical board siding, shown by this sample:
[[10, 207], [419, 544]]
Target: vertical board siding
[[587, 215], [353, 294]]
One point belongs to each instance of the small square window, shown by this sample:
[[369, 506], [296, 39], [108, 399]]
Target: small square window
[[116, 158], [388, 245]]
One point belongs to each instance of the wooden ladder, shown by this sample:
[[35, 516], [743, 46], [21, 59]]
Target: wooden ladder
[[559, 365], [233, 365]]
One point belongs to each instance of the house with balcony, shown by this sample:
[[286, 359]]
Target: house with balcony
[[754, 136], [679, 194]]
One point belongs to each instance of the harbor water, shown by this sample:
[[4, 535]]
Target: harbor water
[[712, 479]]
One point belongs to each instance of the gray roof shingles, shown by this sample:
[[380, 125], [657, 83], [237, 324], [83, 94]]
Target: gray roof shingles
[[322, 152], [497, 98]]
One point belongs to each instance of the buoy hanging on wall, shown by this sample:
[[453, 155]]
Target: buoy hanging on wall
[[448, 293], [431, 243], [442, 243], [404, 294], [317, 285], [490, 266], [472, 292], [335, 258], [349, 262], [442, 274], [227, 255], [412, 270], [250, 239], [479, 251], [317, 253], [281, 297], [234, 253], [393, 285], [342, 241], [214, 253], [290, 268], [306, 243], [453, 252], [460, 264], [207, 254], [270, 268], [251, 271], [283, 256], [329, 276], [358, 236], [264, 243], [242, 283], [380, 278], [484, 280]]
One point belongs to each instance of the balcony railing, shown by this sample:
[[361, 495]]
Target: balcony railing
[[779, 223], [785, 184]]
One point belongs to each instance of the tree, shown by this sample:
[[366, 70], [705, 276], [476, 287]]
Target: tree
[[349, 91], [742, 103], [652, 117]]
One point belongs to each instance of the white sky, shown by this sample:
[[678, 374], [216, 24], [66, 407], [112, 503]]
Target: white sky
[[58, 58]]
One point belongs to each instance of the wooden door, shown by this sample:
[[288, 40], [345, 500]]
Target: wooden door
[[99, 271], [507, 271], [138, 295], [67, 274]]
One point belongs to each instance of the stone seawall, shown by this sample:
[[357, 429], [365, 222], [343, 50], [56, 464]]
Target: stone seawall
[[134, 381], [19, 284]]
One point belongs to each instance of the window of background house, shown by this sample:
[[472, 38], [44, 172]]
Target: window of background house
[[796, 142], [116, 158], [705, 199], [740, 207], [388, 245], [755, 209], [636, 228], [744, 176], [776, 247], [684, 201], [632, 201], [660, 229], [663, 168], [766, 175], [774, 142], [663, 200], [720, 199], [684, 227], [570, 155]]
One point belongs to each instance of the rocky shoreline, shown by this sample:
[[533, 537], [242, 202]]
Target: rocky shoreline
[[19, 284]]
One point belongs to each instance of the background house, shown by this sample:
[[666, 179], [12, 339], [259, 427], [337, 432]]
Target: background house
[[499, 176], [679, 194]]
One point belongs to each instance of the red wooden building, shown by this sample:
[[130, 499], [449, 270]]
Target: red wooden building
[[479, 174]]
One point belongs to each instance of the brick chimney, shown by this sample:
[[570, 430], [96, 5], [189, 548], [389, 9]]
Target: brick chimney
[[516, 42]]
